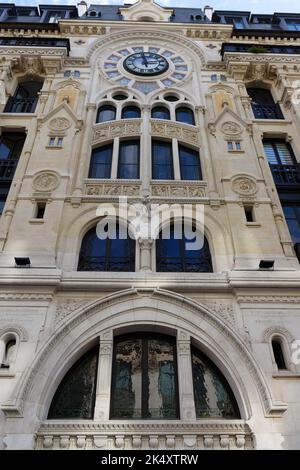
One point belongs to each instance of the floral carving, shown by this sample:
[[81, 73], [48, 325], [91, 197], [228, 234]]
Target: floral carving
[[46, 181], [179, 191], [174, 131], [100, 189], [231, 128], [244, 186], [106, 131]]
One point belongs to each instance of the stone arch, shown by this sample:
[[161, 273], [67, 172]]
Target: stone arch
[[18, 330], [156, 307]]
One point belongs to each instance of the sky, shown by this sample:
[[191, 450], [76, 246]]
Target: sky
[[255, 6]]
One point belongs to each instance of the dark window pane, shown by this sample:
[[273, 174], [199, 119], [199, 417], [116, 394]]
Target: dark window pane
[[189, 164], [162, 161], [185, 115], [213, 397], [278, 355], [160, 112], [106, 113], [172, 254], [278, 152], [129, 160], [11, 146], [263, 104], [106, 255], [25, 98], [100, 166], [144, 383], [131, 112], [75, 397], [292, 216]]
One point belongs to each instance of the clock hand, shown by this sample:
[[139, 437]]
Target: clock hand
[[144, 59]]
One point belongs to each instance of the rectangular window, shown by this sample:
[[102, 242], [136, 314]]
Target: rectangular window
[[189, 164], [249, 214], [129, 160], [101, 159], [52, 141], [162, 161], [40, 210], [293, 25], [279, 152]]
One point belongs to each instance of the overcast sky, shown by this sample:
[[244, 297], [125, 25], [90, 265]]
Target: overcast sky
[[256, 6]]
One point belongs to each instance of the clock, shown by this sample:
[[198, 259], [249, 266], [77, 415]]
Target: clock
[[146, 64]]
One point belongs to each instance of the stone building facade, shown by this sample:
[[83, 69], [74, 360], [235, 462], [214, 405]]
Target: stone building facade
[[138, 344]]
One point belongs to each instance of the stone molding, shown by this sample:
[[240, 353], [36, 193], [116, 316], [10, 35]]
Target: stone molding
[[122, 128], [112, 189], [185, 133], [19, 330], [179, 190], [277, 330]]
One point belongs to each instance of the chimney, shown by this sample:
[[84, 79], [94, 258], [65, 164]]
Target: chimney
[[82, 8], [208, 11]]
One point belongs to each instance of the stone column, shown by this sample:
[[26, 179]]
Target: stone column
[[145, 254], [185, 378], [145, 149], [102, 406]]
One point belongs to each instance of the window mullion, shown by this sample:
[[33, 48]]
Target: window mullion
[[145, 379]]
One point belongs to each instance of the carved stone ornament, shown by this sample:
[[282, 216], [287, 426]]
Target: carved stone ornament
[[59, 124], [244, 186], [231, 128], [46, 181]]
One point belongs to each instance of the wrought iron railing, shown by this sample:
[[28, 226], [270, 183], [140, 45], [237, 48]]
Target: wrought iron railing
[[286, 174], [35, 42], [267, 111], [101, 263], [179, 265], [21, 105], [7, 169], [256, 49]]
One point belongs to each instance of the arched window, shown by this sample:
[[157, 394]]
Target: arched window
[[160, 112], [131, 112], [100, 165], [25, 98], [105, 113], [263, 104], [7, 351], [75, 396], [185, 115], [111, 254], [144, 382], [162, 160], [278, 354], [213, 396], [190, 168], [177, 251]]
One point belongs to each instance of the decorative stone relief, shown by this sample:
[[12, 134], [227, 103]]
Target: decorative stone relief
[[117, 189], [46, 181], [273, 330], [66, 307], [231, 128], [269, 299], [174, 131], [223, 310], [244, 186], [178, 191], [109, 131], [59, 124]]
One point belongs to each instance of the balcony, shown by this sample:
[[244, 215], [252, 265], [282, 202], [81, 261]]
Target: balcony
[[288, 175], [257, 49], [35, 42], [21, 105], [102, 263], [7, 169], [267, 111]]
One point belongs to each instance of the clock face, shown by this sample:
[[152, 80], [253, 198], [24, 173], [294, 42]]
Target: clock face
[[146, 64]]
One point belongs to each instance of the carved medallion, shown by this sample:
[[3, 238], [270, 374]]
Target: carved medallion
[[59, 124], [231, 128], [46, 181], [244, 186]]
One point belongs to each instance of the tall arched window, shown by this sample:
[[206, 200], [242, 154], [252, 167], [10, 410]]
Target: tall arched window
[[185, 115], [25, 98], [75, 396], [101, 159], [111, 254], [144, 382], [173, 253], [131, 112], [160, 112], [213, 395], [189, 160], [162, 160], [105, 113], [278, 354], [7, 351]]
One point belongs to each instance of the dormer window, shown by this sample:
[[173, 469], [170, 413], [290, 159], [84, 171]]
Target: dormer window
[[237, 22], [293, 25], [54, 16]]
